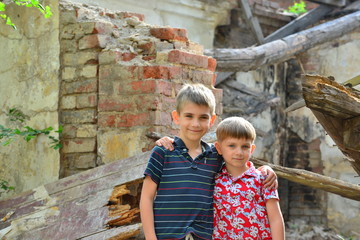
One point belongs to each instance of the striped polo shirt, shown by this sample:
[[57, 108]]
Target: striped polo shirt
[[184, 200]]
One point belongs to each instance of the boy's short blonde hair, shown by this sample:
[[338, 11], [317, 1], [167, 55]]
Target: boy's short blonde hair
[[198, 94], [235, 127]]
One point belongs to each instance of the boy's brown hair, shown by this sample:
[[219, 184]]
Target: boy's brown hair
[[198, 94], [235, 127]]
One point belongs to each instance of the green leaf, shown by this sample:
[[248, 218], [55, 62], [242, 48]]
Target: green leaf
[[2, 7]]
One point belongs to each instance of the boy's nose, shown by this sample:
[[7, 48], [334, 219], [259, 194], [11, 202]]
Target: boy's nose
[[196, 123]]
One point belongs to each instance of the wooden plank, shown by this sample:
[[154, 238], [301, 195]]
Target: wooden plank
[[300, 23], [251, 58], [328, 184], [336, 3], [78, 204], [75, 181], [252, 21]]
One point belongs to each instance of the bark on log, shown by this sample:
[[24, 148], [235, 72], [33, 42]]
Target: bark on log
[[251, 58]]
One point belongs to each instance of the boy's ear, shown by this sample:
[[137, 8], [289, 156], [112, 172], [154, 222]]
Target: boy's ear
[[175, 116], [217, 146], [212, 120], [253, 146]]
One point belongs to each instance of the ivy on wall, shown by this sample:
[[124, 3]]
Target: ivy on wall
[[9, 134], [45, 10]]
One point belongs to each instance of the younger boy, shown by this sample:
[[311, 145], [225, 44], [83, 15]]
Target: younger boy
[[244, 208], [177, 195]]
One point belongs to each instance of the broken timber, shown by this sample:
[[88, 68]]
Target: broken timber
[[251, 58], [337, 108], [101, 203]]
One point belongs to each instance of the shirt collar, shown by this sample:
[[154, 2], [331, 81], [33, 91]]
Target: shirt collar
[[250, 172], [178, 143]]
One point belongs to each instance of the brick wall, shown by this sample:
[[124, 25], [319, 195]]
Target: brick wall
[[302, 202], [120, 77]]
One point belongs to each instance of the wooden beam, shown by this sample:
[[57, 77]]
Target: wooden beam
[[300, 23], [251, 21], [337, 109], [325, 95], [314, 180], [251, 58], [336, 3]]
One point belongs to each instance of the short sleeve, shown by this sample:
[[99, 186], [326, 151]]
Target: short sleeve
[[269, 193], [155, 165]]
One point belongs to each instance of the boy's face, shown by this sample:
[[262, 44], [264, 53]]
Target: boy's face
[[194, 121], [235, 151]]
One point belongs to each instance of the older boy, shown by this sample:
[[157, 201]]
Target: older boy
[[244, 208], [177, 194]]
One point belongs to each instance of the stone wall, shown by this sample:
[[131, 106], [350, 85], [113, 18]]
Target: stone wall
[[198, 17], [120, 77], [29, 82]]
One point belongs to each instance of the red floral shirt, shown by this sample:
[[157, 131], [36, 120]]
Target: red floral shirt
[[240, 211]]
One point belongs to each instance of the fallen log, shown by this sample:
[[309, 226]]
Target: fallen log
[[251, 58]]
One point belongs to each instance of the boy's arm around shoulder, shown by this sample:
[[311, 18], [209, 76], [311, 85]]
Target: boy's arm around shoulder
[[275, 219], [271, 181], [166, 142], [148, 194]]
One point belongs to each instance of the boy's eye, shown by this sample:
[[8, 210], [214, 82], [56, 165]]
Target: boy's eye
[[246, 147], [231, 145]]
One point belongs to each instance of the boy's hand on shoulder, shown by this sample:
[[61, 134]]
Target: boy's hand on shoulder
[[271, 181], [166, 142]]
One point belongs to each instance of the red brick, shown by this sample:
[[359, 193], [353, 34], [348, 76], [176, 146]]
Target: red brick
[[146, 87], [93, 41], [151, 103], [148, 48], [89, 41], [128, 56], [178, 34], [118, 105], [211, 64], [161, 72], [141, 17], [126, 120], [177, 56]]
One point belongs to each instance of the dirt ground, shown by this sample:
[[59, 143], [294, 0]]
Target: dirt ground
[[300, 230]]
